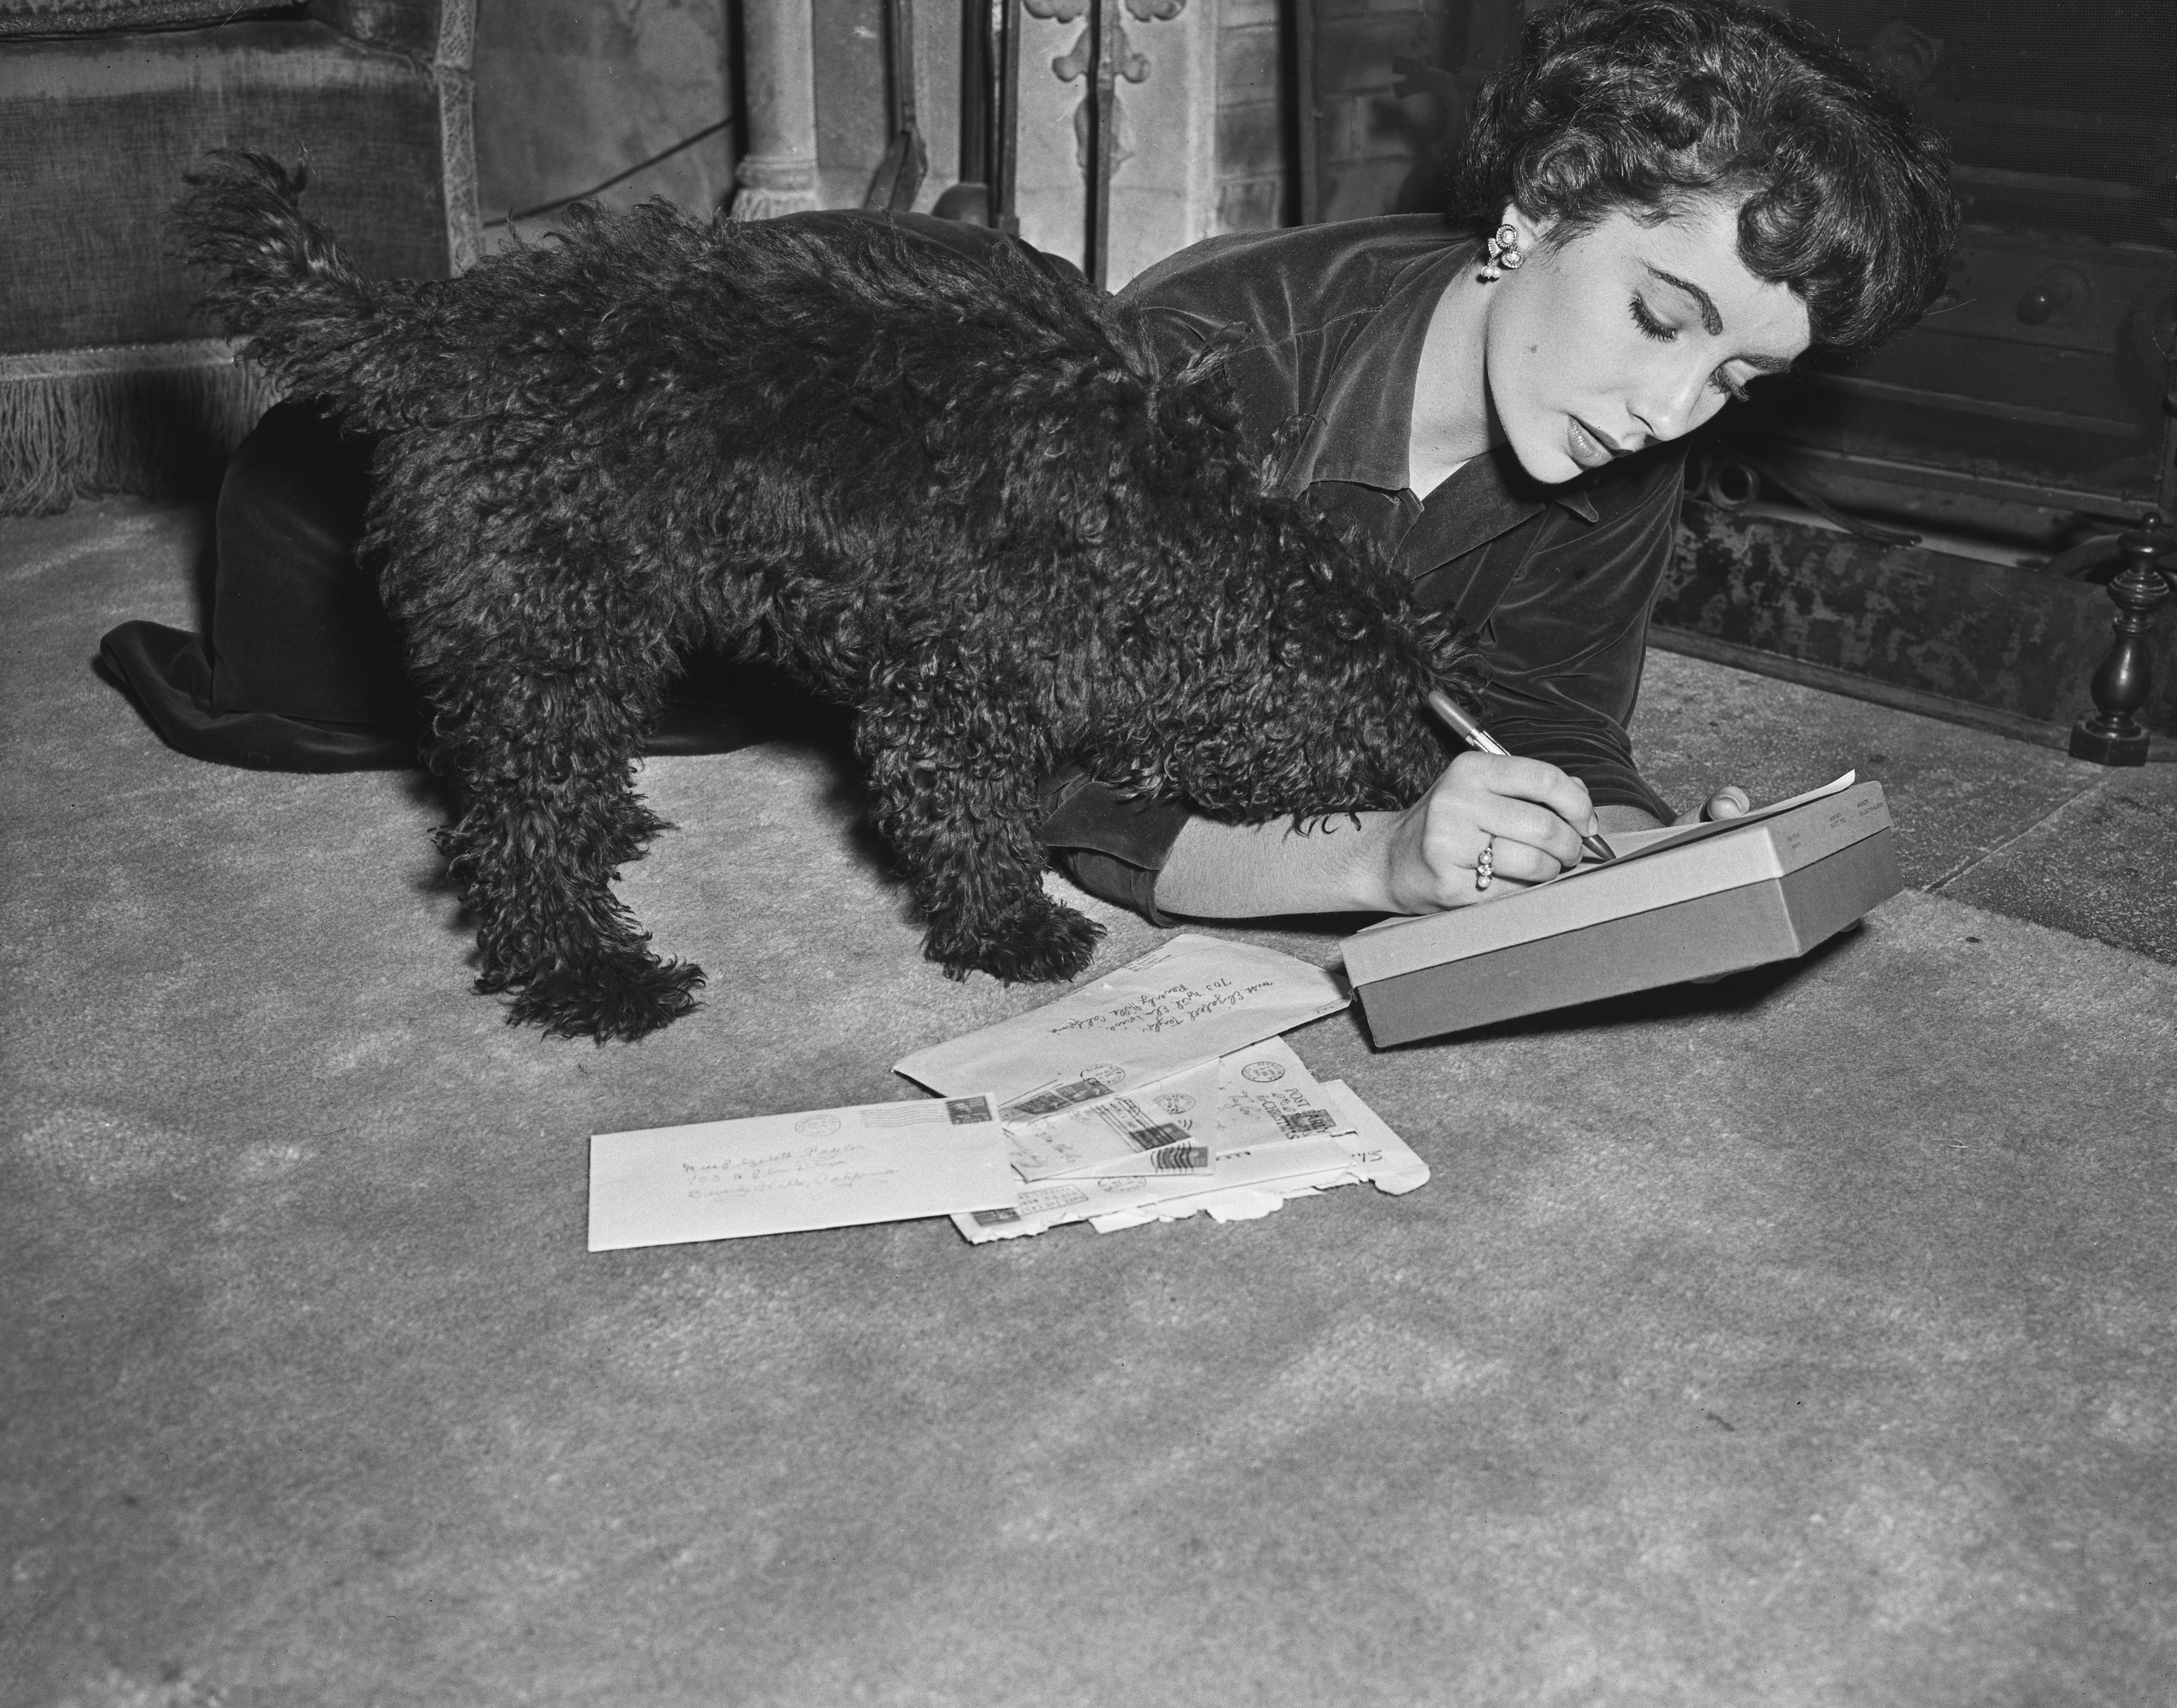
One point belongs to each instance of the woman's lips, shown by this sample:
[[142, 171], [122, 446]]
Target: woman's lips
[[1590, 449]]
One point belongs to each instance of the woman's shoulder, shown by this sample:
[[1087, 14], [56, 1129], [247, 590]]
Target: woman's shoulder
[[1281, 281], [1396, 238]]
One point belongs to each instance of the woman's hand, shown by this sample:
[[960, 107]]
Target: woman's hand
[[1726, 803], [1528, 814]]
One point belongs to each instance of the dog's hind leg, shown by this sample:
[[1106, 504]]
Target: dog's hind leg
[[956, 762], [542, 759]]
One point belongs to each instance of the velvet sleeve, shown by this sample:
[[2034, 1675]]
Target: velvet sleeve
[[1112, 845], [1298, 297]]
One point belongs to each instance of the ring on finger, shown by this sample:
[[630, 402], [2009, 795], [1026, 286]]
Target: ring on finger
[[1485, 865]]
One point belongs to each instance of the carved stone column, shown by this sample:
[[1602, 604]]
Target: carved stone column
[[778, 173], [1141, 93]]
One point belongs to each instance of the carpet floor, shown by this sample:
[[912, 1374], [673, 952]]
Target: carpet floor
[[1802, 1339]]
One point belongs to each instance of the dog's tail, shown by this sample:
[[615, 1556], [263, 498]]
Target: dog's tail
[[282, 281]]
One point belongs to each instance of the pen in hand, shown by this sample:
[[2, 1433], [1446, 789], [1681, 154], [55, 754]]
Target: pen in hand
[[1445, 707]]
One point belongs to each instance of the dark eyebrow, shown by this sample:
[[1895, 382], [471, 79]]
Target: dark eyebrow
[[1711, 322]]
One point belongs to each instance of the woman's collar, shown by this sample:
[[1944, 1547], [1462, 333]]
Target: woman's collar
[[1360, 430]]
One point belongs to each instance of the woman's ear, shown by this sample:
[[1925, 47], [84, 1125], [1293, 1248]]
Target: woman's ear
[[1532, 231]]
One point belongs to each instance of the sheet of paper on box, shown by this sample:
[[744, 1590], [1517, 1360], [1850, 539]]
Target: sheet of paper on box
[[1631, 846], [791, 1173], [1194, 999], [1636, 844]]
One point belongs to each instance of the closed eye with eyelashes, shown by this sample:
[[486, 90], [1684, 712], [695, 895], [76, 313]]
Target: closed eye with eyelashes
[[1650, 327]]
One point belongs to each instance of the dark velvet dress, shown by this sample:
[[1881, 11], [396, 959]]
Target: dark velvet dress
[[303, 671]]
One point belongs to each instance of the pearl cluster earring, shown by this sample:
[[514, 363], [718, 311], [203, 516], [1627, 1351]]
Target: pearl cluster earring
[[1504, 254]]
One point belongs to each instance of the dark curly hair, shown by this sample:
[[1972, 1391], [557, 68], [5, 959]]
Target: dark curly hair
[[1648, 104]]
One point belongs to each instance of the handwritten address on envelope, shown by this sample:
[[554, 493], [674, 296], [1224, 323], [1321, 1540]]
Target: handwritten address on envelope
[[790, 1174], [1195, 998]]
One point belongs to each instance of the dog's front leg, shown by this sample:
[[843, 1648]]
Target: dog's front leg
[[543, 763], [956, 767]]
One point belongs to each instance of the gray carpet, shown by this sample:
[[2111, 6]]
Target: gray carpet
[[1802, 1339]]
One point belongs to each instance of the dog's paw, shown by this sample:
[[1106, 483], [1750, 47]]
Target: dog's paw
[[615, 998], [1045, 942]]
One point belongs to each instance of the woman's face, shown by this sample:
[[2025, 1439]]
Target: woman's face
[[1627, 334]]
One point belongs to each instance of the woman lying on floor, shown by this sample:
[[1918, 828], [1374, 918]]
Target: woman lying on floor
[[1679, 197]]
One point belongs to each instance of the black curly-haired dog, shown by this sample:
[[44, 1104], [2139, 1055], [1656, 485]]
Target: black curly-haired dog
[[955, 493]]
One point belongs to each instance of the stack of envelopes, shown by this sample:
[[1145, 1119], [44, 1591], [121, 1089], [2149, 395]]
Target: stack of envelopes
[[1162, 1089], [1159, 1091]]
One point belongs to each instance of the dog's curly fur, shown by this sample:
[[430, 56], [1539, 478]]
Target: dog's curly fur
[[956, 494]]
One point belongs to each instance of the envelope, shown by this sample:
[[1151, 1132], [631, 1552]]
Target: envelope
[[1194, 999], [790, 1174], [1250, 1182]]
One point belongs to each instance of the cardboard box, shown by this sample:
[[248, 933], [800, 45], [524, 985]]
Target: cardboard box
[[1735, 897]]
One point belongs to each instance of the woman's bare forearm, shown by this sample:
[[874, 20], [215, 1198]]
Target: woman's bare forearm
[[1529, 816], [1253, 871]]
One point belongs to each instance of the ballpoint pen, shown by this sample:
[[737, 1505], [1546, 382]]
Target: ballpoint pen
[[1445, 707]]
